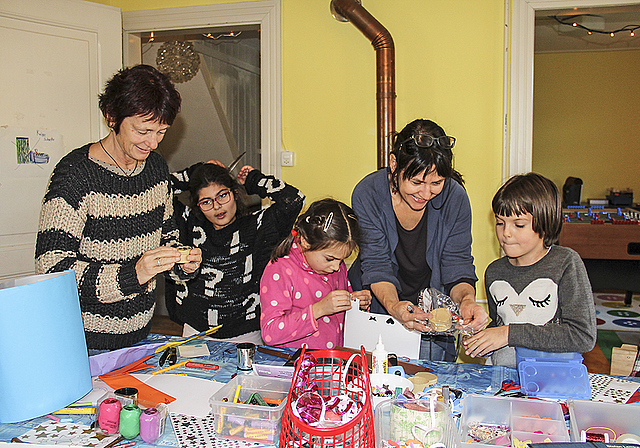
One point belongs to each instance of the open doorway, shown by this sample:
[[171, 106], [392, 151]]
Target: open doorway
[[217, 72], [261, 17], [585, 98], [519, 83]]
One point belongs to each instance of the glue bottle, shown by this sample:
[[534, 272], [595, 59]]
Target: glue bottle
[[379, 357]]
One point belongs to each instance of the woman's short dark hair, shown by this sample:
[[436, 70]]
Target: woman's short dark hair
[[208, 174], [140, 90], [535, 194], [326, 222], [413, 159]]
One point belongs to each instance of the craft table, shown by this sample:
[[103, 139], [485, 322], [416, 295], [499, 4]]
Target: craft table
[[469, 378]]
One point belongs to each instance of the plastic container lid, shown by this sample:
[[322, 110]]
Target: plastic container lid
[[552, 375]]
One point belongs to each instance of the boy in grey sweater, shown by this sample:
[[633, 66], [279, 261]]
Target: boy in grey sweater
[[539, 293]]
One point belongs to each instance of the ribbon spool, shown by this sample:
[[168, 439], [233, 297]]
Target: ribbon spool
[[109, 415], [150, 425], [130, 421]]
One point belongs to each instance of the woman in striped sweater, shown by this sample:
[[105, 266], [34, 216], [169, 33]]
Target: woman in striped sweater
[[107, 213]]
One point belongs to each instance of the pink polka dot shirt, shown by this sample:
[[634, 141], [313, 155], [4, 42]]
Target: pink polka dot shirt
[[288, 290]]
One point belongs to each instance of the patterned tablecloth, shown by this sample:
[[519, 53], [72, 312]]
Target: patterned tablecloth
[[467, 378]]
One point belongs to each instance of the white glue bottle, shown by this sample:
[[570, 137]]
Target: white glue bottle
[[379, 358]]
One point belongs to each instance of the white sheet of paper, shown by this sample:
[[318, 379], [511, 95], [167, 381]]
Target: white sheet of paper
[[362, 328], [191, 394]]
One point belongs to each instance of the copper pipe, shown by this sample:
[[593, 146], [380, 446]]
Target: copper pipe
[[352, 11]]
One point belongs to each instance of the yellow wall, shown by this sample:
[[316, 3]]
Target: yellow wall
[[449, 68], [585, 120]]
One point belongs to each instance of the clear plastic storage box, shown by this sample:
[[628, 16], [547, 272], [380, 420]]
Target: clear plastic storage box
[[395, 422], [621, 422], [250, 422], [512, 420], [552, 375]]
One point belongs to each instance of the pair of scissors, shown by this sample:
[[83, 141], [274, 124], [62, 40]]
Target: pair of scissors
[[508, 386], [235, 162]]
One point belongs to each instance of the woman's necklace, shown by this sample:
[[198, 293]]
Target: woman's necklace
[[117, 164]]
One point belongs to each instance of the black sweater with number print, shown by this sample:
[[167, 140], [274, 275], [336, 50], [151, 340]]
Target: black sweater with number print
[[227, 289]]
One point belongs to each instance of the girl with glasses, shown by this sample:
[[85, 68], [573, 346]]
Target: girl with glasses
[[416, 221], [236, 246]]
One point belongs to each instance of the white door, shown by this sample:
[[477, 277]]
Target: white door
[[55, 58]]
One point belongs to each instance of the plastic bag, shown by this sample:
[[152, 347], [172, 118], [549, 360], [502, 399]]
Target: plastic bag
[[446, 318]]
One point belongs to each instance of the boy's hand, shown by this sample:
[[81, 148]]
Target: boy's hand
[[334, 302], [488, 340], [473, 315]]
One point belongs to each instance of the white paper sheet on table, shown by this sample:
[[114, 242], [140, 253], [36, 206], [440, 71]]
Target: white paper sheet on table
[[191, 394]]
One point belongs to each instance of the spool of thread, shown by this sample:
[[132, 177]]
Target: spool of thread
[[130, 421], [184, 253], [150, 425], [127, 395], [109, 415]]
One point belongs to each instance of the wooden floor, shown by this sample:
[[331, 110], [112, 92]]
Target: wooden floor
[[595, 360]]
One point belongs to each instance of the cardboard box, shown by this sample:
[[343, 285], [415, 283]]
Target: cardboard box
[[623, 359]]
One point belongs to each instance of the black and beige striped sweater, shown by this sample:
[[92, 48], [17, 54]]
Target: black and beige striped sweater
[[98, 223]]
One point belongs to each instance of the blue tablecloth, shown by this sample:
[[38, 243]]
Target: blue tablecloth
[[468, 378]]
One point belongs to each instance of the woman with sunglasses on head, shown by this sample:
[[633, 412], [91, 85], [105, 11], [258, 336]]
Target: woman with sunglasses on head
[[236, 247], [416, 222]]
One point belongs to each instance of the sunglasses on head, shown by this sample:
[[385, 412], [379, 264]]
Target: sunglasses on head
[[427, 141]]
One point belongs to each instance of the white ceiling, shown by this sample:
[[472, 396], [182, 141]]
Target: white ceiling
[[552, 37]]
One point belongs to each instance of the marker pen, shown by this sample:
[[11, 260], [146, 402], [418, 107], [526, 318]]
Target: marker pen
[[201, 365]]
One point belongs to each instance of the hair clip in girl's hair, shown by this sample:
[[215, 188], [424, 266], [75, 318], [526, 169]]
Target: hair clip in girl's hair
[[294, 232], [327, 222]]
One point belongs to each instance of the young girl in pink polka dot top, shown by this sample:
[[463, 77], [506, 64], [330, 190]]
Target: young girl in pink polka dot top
[[304, 291]]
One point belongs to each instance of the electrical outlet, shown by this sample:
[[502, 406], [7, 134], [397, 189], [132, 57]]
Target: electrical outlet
[[286, 158]]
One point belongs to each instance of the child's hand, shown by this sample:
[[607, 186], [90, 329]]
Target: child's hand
[[334, 302], [364, 297], [244, 172], [486, 341]]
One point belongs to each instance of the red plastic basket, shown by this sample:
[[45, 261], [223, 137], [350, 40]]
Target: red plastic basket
[[332, 379]]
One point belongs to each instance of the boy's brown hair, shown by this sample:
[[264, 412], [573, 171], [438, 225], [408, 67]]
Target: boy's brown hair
[[535, 194]]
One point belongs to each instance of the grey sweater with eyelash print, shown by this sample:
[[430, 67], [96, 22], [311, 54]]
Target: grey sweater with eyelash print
[[548, 305]]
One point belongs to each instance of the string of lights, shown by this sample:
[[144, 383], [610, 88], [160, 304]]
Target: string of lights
[[571, 21], [231, 34]]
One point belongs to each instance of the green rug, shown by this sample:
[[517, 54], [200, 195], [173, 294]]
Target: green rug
[[607, 340]]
